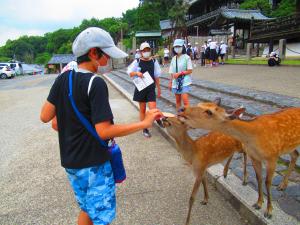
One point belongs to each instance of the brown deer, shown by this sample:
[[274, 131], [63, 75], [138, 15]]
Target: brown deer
[[202, 153], [265, 138]]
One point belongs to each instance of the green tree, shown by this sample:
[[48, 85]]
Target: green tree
[[42, 58], [263, 5], [147, 18], [285, 8], [177, 16]]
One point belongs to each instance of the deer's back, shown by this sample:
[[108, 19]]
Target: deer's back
[[275, 134], [215, 147]]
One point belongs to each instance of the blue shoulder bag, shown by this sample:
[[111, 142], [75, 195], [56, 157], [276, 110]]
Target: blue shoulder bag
[[114, 150]]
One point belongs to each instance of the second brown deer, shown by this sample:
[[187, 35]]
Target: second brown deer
[[202, 153], [265, 138]]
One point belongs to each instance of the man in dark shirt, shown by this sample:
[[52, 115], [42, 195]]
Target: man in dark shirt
[[86, 162]]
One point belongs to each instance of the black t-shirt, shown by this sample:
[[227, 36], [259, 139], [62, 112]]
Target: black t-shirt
[[78, 148]]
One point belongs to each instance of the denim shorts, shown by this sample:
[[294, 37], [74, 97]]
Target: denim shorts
[[94, 189], [185, 89]]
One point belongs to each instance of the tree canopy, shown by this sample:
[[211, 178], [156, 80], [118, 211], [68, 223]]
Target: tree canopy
[[145, 17]]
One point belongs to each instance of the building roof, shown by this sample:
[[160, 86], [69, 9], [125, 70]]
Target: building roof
[[62, 58], [243, 14], [165, 24], [230, 15], [148, 34]]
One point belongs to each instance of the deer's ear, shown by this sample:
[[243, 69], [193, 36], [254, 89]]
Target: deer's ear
[[235, 113], [217, 101]]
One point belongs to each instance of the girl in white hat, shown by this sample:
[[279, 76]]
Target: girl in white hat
[[180, 70]]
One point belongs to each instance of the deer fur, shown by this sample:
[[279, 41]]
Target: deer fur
[[265, 138], [202, 153]]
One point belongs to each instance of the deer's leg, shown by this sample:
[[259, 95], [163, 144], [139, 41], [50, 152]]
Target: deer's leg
[[294, 155], [245, 179], [225, 171], [271, 165], [258, 167], [193, 196], [204, 182]]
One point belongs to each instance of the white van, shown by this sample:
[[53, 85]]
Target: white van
[[17, 67]]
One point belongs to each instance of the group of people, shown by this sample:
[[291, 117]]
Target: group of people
[[180, 79], [79, 99], [211, 52]]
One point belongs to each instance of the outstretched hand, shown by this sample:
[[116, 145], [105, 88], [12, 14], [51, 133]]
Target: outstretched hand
[[151, 116]]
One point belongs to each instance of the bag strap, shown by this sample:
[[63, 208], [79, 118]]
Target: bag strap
[[90, 84], [176, 64], [81, 118]]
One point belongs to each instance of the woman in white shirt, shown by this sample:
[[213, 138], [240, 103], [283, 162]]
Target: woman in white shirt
[[180, 70]]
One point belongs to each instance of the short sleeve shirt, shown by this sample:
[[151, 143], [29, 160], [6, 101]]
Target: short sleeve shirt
[[184, 63], [78, 148]]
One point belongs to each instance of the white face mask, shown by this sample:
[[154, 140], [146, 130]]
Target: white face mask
[[146, 54], [104, 69], [178, 50]]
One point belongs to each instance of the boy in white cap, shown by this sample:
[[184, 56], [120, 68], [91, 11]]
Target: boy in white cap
[[86, 162], [146, 96]]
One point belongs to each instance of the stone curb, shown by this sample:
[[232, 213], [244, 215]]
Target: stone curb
[[240, 197]]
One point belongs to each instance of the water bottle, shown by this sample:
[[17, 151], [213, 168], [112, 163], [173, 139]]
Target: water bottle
[[117, 163]]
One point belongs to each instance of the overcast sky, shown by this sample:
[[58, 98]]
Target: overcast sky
[[36, 17]]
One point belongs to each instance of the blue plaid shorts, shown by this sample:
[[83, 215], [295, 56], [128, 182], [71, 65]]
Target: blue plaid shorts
[[94, 189]]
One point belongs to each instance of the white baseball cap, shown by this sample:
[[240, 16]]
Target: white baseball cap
[[144, 45], [96, 37], [209, 40]]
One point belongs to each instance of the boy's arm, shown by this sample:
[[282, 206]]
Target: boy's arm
[[48, 112], [54, 124], [106, 130]]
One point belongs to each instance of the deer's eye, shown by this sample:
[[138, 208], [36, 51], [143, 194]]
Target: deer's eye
[[208, 112]]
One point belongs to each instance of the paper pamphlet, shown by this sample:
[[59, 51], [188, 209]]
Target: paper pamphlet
[[142, 83]]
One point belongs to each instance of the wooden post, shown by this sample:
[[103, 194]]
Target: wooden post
[[249, 48], [282, 48], [271, 46]]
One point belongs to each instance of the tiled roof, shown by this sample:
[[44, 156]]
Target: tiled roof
[[62, 58], [165, 24], [243, 14], [148, 34]]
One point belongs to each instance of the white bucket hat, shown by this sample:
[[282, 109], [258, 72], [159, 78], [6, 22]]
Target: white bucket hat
[[178, 42], [96, 37], [144, 45]]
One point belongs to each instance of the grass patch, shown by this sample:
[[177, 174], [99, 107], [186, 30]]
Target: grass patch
[[261, 61]]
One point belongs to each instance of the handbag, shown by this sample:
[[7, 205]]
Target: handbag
[[179, 80], [114, 149]]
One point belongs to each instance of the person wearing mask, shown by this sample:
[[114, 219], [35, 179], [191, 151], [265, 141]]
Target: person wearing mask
[[207, 52], [212, 52], [166, 56], [223, 51], [180, 69], [202, 53], [146, 96], [86, 162], [189, 50], [137, 54]]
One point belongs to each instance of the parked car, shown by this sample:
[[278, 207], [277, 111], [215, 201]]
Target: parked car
[[17, 67], [6, 72]]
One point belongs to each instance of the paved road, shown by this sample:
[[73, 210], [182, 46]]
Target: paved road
[[283, 80], [34, 188]]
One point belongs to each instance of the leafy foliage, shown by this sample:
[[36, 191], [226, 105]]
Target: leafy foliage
[[263, 5]]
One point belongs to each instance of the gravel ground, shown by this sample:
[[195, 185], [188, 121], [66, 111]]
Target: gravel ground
[[34, 188]]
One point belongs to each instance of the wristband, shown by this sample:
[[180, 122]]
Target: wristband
[[182, 73]]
